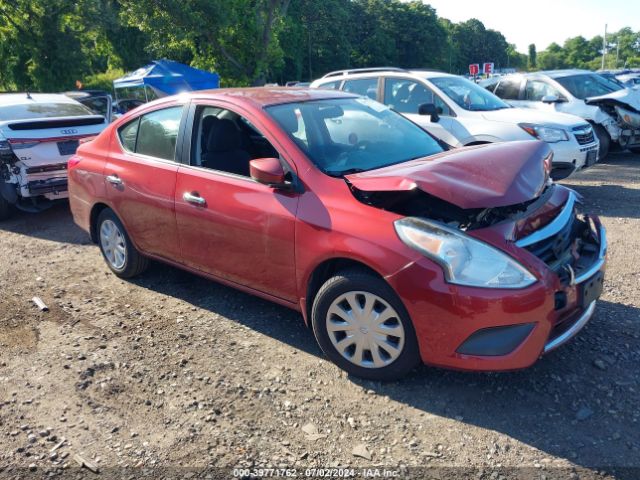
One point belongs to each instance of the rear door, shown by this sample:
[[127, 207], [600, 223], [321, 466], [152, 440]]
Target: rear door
[[405, 95], [141, 179], [231, 226]]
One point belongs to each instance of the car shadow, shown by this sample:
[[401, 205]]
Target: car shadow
[[569, 404], [55, 224]]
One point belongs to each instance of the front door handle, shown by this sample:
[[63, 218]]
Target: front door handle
[[193, 197], [114, 180]]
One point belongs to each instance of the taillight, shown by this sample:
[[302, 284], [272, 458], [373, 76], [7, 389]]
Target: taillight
[[73, 162]]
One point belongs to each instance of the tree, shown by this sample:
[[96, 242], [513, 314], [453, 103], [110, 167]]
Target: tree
[[532, 56], [238, 37]]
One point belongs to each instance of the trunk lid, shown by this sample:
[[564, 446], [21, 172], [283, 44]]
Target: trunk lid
[[483, 176]]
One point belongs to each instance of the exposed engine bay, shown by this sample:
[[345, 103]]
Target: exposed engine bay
[[627, 120], [418, 203]]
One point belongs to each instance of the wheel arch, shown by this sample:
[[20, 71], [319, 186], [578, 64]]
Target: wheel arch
[[96, 210], [323, 272]]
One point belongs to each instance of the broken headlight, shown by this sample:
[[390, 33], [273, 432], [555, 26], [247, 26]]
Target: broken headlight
[[464, 260]]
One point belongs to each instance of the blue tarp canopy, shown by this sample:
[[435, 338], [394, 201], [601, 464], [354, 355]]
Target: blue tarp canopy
[[167, 77]]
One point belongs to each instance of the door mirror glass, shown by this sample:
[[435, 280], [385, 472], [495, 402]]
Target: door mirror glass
[[267, 171], [429, 109]]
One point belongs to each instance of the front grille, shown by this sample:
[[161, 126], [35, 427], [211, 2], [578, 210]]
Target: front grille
[[571, 250], [555, 251], [584, 135]]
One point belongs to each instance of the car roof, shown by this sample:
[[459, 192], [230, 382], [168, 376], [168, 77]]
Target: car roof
[[265, 96], [7, 99], [561, 73]]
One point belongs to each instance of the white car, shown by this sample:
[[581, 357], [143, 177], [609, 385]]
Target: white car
[[460, 113], [38, 134], [612, 109]]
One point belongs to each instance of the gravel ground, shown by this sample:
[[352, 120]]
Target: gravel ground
[[171, 374]]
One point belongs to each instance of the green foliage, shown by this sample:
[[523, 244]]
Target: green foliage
[[533, 56], [102, 81], [49, 45]]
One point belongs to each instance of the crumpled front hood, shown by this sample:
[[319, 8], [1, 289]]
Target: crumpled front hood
[[483, 176], [626, 96]]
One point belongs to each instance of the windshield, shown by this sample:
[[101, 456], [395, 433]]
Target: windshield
[[468, 95], [29, 111], [343, 136], [588, 85]]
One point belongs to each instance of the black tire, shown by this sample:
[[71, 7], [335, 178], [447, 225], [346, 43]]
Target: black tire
[[5, 209], [135, 263], [605, 141], [634, 149], [354, 280]]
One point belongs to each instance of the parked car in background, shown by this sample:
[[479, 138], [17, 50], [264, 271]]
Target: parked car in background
[[612, 109], [461, 113], [98, 101], [38, 134], [394, 249]]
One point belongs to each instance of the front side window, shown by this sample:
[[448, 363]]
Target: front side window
[[468, 95], [367, 87], [226, 141], [349, 135], [154, 134], [406, 96], [536, 90]]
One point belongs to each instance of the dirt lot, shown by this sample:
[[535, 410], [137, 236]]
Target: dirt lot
[[171, 374]]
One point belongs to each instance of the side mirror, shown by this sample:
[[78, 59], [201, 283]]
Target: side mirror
[[267, 171], [429, 109], [552, 99]]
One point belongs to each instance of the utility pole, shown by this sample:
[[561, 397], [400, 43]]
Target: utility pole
[[604, 45]]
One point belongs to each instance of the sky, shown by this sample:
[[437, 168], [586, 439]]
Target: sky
[[543, 21]]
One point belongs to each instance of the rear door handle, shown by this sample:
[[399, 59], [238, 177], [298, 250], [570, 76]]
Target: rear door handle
[[114, 180], [193, 197]]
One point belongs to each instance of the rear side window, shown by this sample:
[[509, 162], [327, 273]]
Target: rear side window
[[128, 134], [154, 134], [367, 87], [331, 85], [508, 89]]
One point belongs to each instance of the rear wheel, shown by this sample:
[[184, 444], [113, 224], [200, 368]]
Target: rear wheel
[[363, 327], [604, 139], [121, 256]]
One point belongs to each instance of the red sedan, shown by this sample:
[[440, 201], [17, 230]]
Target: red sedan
[[395, 249]]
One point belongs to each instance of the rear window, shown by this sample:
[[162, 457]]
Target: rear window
[[28, 111]]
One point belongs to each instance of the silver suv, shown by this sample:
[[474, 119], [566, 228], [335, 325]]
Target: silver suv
[[460, 113]]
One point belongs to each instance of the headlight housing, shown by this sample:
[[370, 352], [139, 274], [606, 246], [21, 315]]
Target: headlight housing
[[546, 134], [464, 260]]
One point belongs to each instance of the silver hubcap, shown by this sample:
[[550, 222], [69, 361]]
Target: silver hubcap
[[365, 329], [113, 244]]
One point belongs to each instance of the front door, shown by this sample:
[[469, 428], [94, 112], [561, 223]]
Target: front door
[[229, 225], [141, 180]]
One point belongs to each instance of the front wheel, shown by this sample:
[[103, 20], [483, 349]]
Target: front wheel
[[121, 256], [363, 327], [605, 141]]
